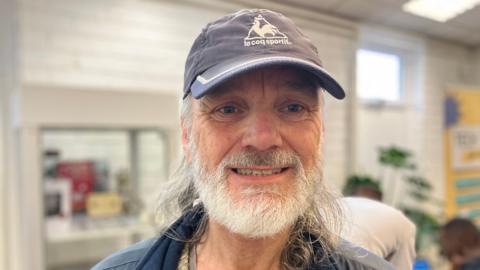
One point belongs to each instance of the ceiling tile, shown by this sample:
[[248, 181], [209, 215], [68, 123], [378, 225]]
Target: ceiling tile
[[315, 5], [367, 10], [469, 19], [455, 33], [464, 29], [411, 22]]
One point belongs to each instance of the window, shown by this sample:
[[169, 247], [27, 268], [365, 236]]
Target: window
[[378, 76], [100, 186]]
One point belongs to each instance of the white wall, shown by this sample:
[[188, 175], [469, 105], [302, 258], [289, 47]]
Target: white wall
[[8, 51], [3, 229], [446, 64], [336, 52], [121, 45], [476, 66]]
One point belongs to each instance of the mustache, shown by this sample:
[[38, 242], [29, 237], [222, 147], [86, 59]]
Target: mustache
[[272, 158]]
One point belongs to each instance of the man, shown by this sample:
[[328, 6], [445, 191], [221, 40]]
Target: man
[[381, 229], [460, 244], [249, 193]]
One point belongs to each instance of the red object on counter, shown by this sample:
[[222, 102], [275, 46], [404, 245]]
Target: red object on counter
[[82, 177]]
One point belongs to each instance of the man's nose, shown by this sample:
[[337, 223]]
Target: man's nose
[[262, 132]]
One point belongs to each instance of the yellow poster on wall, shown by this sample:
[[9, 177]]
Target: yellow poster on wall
[[462, 152]]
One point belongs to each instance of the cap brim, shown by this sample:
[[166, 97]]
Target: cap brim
[[222, 72]]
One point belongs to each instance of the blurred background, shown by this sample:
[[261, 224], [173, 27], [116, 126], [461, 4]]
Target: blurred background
[[89, 96]]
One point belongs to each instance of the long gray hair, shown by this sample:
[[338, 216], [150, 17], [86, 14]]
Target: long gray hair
[[322, 220]]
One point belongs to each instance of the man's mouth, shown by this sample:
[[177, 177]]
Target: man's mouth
[[258, 172]]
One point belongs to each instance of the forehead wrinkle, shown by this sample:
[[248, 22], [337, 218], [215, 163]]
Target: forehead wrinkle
[[300, 82], [223, 89], [305, 89], [296, 80], [301, 85], [262, 83]]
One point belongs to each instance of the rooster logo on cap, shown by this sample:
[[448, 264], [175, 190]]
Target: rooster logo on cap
[[264, 33], [264, 29]]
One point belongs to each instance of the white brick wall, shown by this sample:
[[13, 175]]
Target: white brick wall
[[134, 45], [336, 52], [9, 212], [476, 66], [446, 64]]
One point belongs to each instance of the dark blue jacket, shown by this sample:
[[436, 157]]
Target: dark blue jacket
[[473, 264], [163, 253]]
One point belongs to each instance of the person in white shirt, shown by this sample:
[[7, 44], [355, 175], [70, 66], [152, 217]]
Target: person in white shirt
[[381, 229]]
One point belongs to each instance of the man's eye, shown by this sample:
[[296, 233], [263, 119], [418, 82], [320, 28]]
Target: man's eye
[[228, 113], [228, 110], [293, 111], [293, 108]]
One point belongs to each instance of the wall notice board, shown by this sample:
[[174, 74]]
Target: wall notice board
[[462, 152]]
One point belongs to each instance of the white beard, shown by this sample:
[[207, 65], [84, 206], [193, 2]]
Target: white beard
[[262, 210]]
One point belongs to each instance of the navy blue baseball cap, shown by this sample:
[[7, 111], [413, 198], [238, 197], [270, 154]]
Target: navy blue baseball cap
[[247, 40]]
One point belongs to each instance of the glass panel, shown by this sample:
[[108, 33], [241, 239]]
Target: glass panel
[[378, 75], [153, 165], [100, 187]]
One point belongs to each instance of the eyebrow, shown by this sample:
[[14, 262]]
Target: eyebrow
[[218, 92], [223, 89], [304, 86]]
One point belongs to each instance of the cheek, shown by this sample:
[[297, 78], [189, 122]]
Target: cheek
[[213, 146], [306, 142]]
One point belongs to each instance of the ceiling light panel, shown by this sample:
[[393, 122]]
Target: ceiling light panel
[[439, 10]]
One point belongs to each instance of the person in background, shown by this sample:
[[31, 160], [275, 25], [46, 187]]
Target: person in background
[[368, 192], [378, 227], [460, 244], [249, 193], [381, 229], [363, 186]]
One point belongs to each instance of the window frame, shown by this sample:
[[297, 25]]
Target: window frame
[[401, 76], [411, 51]]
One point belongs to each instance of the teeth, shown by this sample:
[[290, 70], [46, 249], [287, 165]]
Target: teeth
[[258, 172]]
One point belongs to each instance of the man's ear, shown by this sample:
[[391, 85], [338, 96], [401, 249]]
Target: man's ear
[[185, 143]]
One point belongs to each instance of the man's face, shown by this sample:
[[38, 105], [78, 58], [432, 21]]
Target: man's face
[[255, 147]]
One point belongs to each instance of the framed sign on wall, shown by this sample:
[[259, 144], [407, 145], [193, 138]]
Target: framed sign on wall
[[462, 152]]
